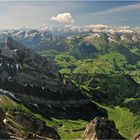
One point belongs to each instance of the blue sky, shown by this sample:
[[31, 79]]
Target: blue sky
[[19, 14]]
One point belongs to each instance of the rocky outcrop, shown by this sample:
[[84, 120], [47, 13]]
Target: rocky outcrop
[[101, 128], [25, 125], [17, 123], [3, 131], [136, 136]]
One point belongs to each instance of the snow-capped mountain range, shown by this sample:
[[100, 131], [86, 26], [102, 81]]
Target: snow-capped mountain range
[[35, 37]]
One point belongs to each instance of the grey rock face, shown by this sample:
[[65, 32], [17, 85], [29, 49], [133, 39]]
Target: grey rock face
[[21, 64], [3, 130], [101, 128], [33, 127]]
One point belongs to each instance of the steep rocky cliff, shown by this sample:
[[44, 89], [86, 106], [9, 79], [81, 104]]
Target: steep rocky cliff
[[17, 125], [35, 81], [22, 65]]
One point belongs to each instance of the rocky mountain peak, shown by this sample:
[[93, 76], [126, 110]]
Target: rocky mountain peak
[[12, 44], [20, 63], [101, 128], [14, 50]]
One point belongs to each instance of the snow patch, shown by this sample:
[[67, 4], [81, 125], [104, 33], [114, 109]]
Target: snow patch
[[5, 92]]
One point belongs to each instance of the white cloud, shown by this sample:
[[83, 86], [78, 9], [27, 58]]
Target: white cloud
[[63, 17]]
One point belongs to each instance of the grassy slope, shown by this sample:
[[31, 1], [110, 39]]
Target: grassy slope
[[71, 129], [131, 99], [126, 122], [67, 129], [6, 103]]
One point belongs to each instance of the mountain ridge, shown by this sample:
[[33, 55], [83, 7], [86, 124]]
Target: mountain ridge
[[32, 79]]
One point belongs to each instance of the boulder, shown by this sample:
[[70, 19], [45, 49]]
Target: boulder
[[101, 128], [136, 136]]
